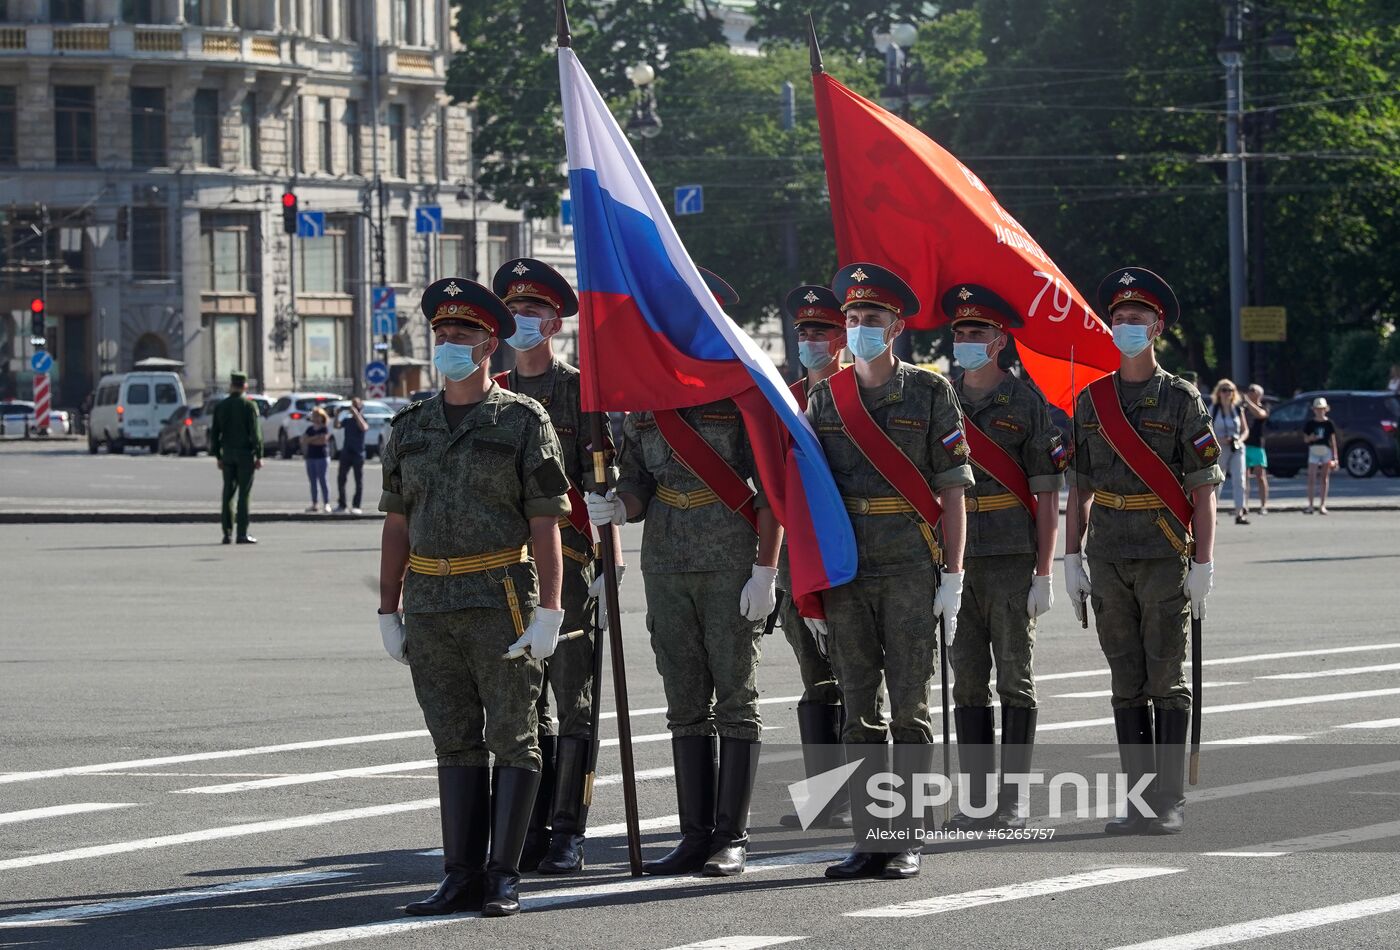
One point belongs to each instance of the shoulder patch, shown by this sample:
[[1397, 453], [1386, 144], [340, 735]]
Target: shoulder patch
[[955, 442], [1205, 445]]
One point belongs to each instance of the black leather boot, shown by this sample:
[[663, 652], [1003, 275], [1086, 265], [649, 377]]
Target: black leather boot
[[1017, 741], [1170, 800], [512, 800], [565, 855], [976, 760], [464, 798], [1134, 728], [729, 845], [912, 763], [538, 837], [819, 725], [694, 762], [872, 849]]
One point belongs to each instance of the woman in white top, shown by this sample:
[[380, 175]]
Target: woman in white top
[[1231, 427]]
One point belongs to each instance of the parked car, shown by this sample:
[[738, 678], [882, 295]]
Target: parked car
[[17, 418], [288, 418], [130, 408], [1367, 427], [264, 403], [186, 432], [377, 414]]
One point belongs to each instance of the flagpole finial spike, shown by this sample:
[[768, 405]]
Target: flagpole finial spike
[[814, 51], [561, 24]]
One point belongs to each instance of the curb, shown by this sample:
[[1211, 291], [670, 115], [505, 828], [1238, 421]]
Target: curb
[[167, 517]]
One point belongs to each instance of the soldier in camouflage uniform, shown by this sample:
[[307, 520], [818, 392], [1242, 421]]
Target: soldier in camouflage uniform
[[473, 483], [540, 298], [235, 441], [710, 576], [1008, 555], [883, 624], [1144, 571]]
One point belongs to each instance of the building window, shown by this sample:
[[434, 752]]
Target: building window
[[501, 241], [148, 251], [148, 126], [230, 345], [206, 127], [73, 125], [398, 142], [396, 250], [140, 11], [324, 133], [9, 152], [354, 163], [227, 247], [321, 346], [350, 19], [66, 11], [457, 250], [321, 262], [249, 152], [406, 25]]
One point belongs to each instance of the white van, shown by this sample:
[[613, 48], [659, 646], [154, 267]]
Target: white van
[[130, 408]]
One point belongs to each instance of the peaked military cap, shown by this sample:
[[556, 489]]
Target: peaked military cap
[[528, 279], [973, 303], [812, 303], [872, 285], [238, 378], [459, 300], [725, 294], [1138, 285]]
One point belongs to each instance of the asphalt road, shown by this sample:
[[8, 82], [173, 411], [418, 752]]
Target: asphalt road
[[204, 746]]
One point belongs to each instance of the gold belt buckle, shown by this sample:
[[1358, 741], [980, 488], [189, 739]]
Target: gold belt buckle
[[683, 500], [862, 506], [971, 504], [1120, 502], [444, 567]]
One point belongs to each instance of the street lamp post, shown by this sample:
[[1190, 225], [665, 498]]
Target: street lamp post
[[644, 122]]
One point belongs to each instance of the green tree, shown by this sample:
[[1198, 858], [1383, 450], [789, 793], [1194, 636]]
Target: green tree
[[842, 25]]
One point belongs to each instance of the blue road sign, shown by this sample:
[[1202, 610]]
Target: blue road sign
[[376, 372], [311, 224], [690, 199], [386, 323], [566, 212], [384, 307], [427, 219], [41, 362]]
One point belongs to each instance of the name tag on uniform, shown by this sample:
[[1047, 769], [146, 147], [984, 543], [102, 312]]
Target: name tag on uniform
[[718, 417], [1156, 425], [915, 425], [1008, 425]]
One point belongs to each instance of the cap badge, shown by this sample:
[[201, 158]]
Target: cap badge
[[1126, 279], [519, 269], [859, 275], [964, 294], [811, 297], [452, 289]]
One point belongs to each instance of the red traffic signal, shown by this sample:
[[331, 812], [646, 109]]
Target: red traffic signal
[[36, 305], [36, 317], [289, 200], [289, 213]]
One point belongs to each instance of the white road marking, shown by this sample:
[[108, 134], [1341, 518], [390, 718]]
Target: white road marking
[[598, 832], [1104, 693], [1348, 671], [1237, 707], [106, 908], [659, 710], [1252, 740], [1373, 724], [1327, 839], [1302, 780], [56, 811], [307, 778], [1269, 926], [738, 942], [1011, 892], [1250, 658]]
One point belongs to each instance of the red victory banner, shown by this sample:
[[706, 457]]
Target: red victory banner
[[901, 200]]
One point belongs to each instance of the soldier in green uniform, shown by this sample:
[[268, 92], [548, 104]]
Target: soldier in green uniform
[[473, 485], [882, 625], [1009, 550], [710, 571], [235, 441], [1145, 569], [540, 298]]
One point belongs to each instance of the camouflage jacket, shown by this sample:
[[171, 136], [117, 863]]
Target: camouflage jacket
[[472, 491], [1168, 413], [919, 411], [236, 429], [1016, 417]]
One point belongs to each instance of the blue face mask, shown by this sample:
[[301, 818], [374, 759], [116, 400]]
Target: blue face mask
[[866, 343], [527, 333], [971, 356], [814, 354], [1131, 338], [456, 361]]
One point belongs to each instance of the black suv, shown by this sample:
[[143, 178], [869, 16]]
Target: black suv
[[1367, 425]]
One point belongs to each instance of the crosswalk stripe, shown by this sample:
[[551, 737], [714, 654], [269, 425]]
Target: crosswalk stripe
[[1373, 724], [107, 908], [57, 811], [738, 943], [1348, 671], [1269, 926], [1012, 892], [1327, 839]]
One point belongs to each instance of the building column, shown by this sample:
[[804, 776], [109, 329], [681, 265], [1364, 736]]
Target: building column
[[196, 347]]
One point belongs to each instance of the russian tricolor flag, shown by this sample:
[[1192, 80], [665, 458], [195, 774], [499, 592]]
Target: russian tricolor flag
[[652, 336]]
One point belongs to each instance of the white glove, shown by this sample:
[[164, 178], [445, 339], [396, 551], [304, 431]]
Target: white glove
[[1077, 584], [1042, 595], [541, 637], [391, 632], [817, 628], [1199, 581], [946, 603], [760, 594], [605, 509], [598, 590]]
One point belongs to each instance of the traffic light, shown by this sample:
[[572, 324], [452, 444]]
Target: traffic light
[[36, 317], [289, 213]]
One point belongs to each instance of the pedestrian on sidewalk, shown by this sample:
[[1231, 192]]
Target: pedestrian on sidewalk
[[1320, 435], [235, 442], [1256, 460], [352, 453], [1227, 418], [313, 446]]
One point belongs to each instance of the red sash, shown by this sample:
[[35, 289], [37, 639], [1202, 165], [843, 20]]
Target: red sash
[[1130, 447], [706, 464], [799, 392], [998, 463], [578, 511], [881, 452]]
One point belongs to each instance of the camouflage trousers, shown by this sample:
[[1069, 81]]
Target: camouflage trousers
[[994, 625], [568, 674], [706, 652], [882, 628], [818, 682], [474, 701], [1141, 613]]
